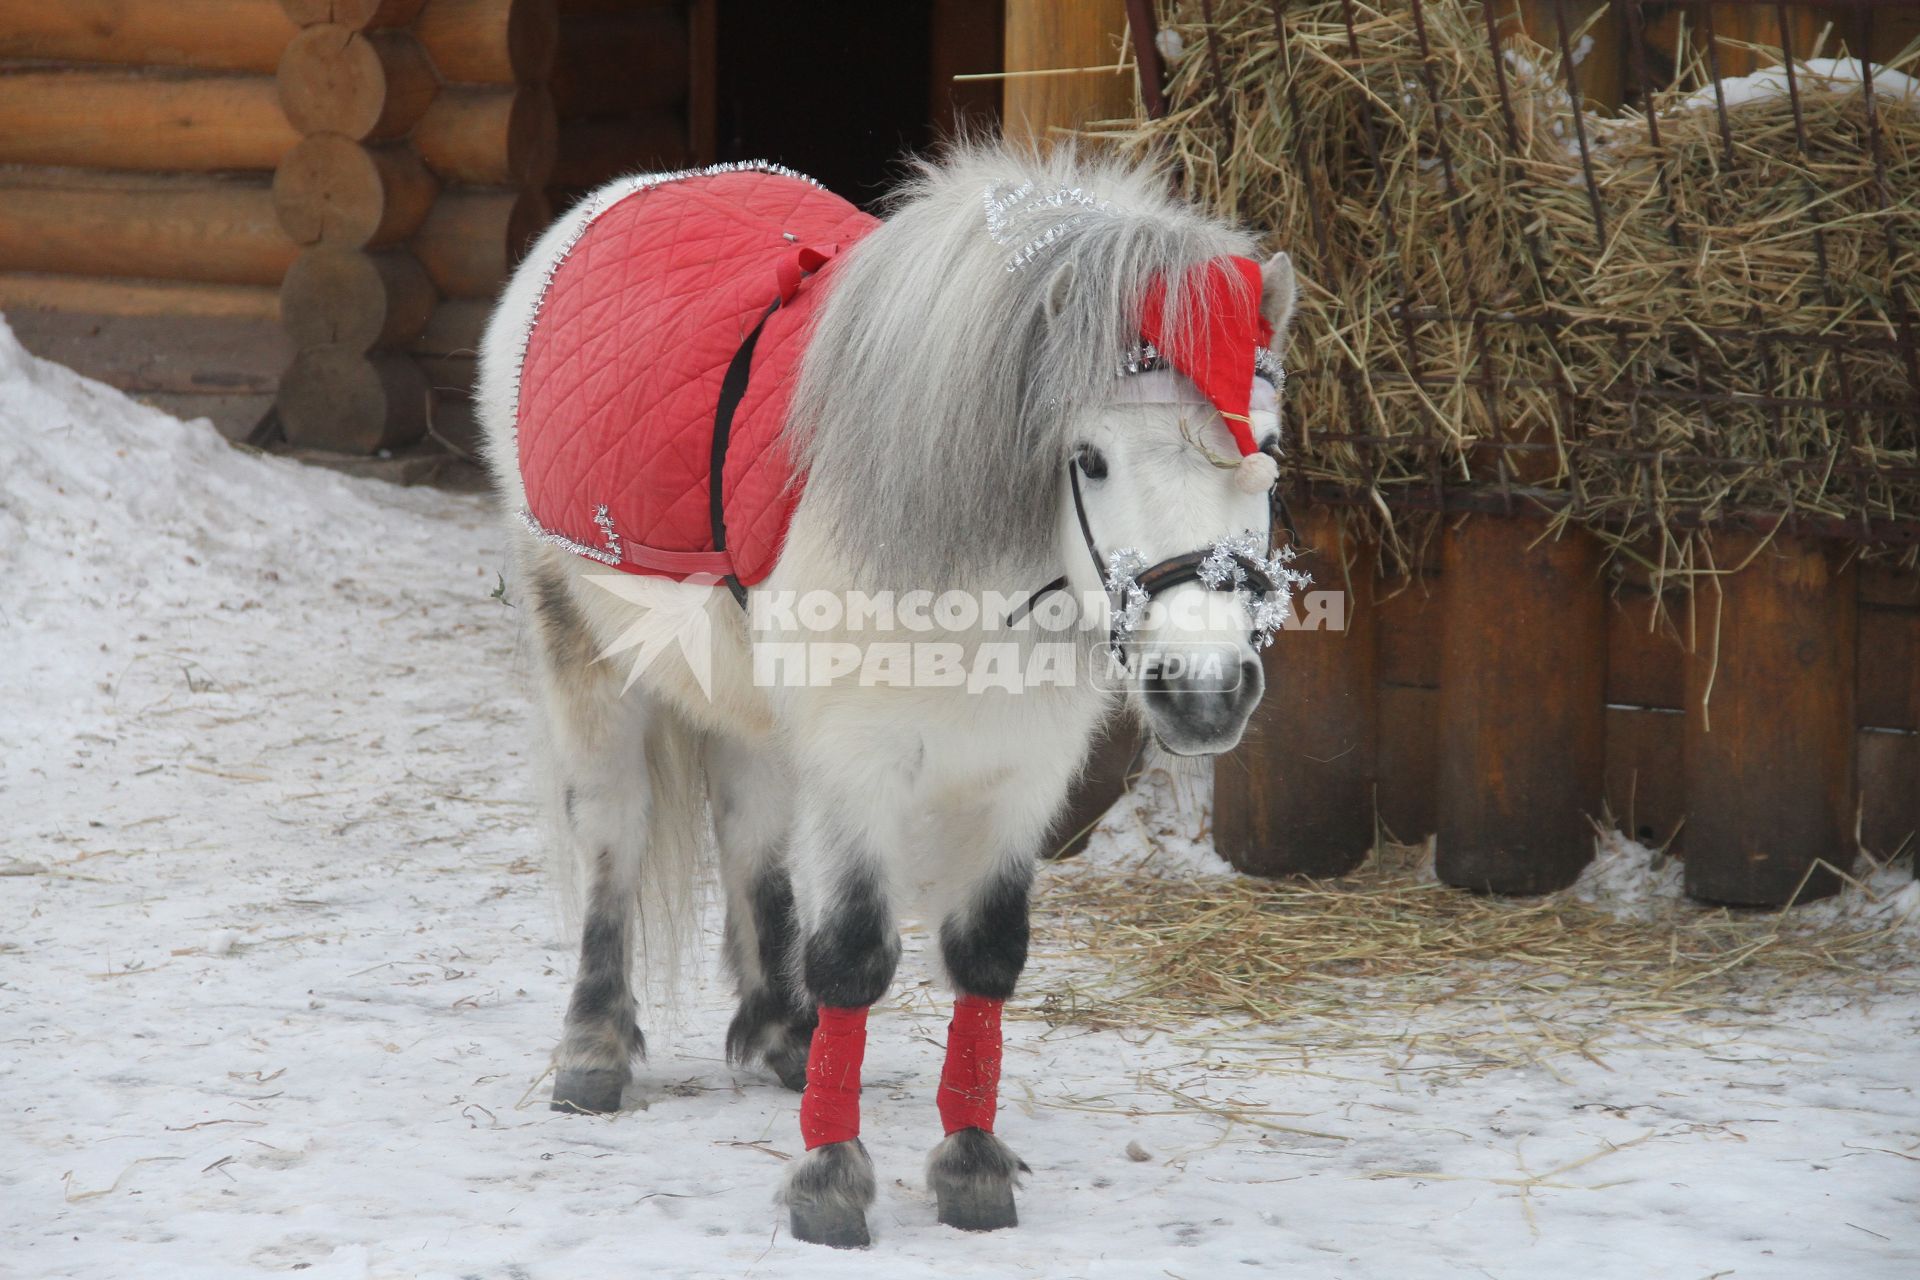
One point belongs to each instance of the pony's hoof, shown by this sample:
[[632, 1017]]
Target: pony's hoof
[[591, 1091], [789, 1062], [837, 1227], [973, 1174], [828, 1190], [765, 1029], [979, 1208]]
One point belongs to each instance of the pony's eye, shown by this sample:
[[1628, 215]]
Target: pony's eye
[[1092, 462]]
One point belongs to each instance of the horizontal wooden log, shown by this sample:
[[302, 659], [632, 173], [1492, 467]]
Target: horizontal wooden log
[[596, 151], [367, 86], [455, 328], [490, 41], [129, 120], [350, 402], [161, 354], [471, 239], [236, 416], [355, 15], [27, 291], [455, 426], [229, 35], [218, 232], [330, 190], [448, 375], [350, 298], [623, 64], [490, 136]]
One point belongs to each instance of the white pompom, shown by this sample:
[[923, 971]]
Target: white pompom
[[1256, 473]]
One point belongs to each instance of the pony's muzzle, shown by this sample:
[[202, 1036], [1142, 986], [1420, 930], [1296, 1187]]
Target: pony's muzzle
[[1198, 698]]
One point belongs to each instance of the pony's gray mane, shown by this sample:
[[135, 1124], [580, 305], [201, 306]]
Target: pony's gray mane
[[934, 402]]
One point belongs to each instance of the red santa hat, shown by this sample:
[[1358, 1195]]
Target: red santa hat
[[1215, 345]]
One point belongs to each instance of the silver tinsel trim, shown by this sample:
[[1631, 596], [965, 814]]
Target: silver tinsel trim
[[603, 200], [1006, 206], [1146, 357], [1268, 611], [561, 540], [999, 206], [610, 539], [1127, 599], [1267, 365]]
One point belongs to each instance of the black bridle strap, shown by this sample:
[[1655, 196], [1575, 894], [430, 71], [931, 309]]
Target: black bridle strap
[[1027, 606], [1169, 574], [1172, 572]]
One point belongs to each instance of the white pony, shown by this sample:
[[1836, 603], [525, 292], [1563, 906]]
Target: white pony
[[977, 419]]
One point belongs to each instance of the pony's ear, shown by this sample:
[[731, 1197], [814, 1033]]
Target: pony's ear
[[1060, 289], [1278, 292]]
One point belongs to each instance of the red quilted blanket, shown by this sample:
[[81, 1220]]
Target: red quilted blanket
[[622, 374]]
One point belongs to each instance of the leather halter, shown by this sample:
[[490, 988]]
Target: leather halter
[[1172, 572]]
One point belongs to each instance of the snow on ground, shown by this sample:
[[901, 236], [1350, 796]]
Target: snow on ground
[[280, 975]]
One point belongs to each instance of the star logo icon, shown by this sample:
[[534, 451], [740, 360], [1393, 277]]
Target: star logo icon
[[669, 613]]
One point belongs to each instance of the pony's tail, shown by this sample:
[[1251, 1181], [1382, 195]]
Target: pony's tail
[[679, 838]]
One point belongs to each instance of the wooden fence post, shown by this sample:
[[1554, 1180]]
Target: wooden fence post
[[1067, 37], [1770, 749], [1522, 747], [1296, 797]]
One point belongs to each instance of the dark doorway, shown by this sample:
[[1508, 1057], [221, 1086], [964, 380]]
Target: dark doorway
[[843, 90]]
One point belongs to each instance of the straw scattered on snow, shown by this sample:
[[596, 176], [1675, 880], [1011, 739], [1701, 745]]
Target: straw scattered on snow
[[1389, 962]]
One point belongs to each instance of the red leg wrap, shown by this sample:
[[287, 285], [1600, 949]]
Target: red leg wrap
[[830, 1108], [970, 1082]]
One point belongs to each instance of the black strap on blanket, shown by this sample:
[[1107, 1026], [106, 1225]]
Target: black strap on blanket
[[732, 388]]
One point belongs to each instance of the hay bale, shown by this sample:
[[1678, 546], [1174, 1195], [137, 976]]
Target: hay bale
[[1648, 353]]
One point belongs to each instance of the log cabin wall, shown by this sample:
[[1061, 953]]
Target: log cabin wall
[[428, 139], [138, 237], [308, 205], [231, 206]]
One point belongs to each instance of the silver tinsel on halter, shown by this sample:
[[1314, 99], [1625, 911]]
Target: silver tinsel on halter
[[1269, 611], [1146, 357], [1127, 598]]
